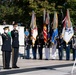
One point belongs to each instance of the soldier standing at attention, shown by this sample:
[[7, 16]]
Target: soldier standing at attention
[[6, 48], [40, 46], [74, 46], [60, 43], [47, 48], [68, 50], [15, 45], [27, 45]]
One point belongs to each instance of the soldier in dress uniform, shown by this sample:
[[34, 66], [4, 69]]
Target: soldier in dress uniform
[[15, 45], [60, 47], [40, 45], [27, 47], [68, 50], [47, 48], [27, 44], [6, 48], [47, 51], [54, 46], [34, 49], [74, 47]]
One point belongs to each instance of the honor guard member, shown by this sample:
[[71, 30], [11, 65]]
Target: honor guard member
[[27, 47], [60, 47], [47, 48], [15, 45], [54, 45], [74, 47], [34, 49], [68, 50], [47, 51], [27, 44], [6, 48], [40, 45]]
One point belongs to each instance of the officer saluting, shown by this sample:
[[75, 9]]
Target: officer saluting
[[6, 48], [15, 45]]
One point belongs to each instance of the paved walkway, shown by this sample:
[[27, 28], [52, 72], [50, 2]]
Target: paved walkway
[[40, 67]]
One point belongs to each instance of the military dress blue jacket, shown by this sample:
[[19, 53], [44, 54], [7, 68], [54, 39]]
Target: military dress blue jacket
[[15, 38], [6, 42]]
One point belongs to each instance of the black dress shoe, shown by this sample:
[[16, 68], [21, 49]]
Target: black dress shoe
[[40, 58], [34, 58], [15, 67], [46, 59], [7, 68]]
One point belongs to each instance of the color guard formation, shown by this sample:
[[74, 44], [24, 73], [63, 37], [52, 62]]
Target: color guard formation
[[52, 37]]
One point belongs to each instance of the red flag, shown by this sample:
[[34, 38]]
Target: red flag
[[44, 26], [45, 33], [67, 21]]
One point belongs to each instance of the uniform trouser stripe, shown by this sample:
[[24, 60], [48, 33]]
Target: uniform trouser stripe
[[15, 52], [3, 55], [12, 56]]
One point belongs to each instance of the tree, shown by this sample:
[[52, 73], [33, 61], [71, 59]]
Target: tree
[[20, 10]]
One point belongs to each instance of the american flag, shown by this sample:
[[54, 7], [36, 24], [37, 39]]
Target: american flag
[[44, 27]]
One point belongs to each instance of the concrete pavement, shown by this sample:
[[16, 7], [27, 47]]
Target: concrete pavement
[[40, 67]]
